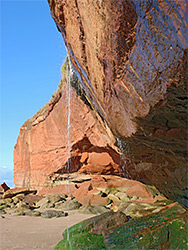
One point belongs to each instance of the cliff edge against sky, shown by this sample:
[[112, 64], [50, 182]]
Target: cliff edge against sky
[[128, 71]]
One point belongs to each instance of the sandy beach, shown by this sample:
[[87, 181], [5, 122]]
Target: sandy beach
[[29, 233]]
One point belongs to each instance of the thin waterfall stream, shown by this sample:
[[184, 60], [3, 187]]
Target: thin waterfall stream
[[68, 113], [123, 158], [68, 94]]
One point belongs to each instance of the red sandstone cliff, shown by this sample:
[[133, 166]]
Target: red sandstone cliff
[[131, 58], [44, 146]]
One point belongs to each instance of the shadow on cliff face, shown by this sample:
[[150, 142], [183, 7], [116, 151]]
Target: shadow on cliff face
[[89, 159], [128, 55], [159, 147]]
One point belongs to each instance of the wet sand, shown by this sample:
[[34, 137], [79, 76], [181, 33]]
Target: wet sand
[[29, 233]]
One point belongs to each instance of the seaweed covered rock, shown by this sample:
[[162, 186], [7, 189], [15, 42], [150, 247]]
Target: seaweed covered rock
[[165, 230], [70, 204], [53, 213]]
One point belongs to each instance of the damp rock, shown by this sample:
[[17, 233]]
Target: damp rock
[[93, 209], [53, 213], [69, 205], [32, 213]]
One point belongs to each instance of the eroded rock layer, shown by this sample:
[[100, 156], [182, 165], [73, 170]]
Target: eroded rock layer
[[131, 56]]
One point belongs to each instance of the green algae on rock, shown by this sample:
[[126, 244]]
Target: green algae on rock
[[166, 230], [157, 231], [79, 236]]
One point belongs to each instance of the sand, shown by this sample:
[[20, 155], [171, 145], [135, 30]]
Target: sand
[[29, 233]]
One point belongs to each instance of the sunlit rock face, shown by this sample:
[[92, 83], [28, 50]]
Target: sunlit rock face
[[45, 147], [131, 56]]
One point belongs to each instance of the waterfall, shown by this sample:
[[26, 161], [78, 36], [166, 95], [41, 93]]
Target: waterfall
[[68, 91], [125, 162], [68, 148], [123, 158]]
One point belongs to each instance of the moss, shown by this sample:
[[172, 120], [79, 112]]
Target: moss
[[83, 240], [165, 230], [75, 83], [80, 236], [157, 231], [64, 67], [178, 235]]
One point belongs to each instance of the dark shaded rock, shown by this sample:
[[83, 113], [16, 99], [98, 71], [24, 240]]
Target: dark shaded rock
[[19, 197], [7, 203], [70, 204], [32, 213], [50, 200], [93, 209], [3, 188], [132, 58], [158, 231], [53, 213], [116, 220]]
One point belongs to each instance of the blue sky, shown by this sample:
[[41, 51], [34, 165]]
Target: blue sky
[[31, 55]]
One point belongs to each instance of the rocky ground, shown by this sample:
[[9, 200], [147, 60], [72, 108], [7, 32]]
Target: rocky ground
[[87, 194], [39, 219]]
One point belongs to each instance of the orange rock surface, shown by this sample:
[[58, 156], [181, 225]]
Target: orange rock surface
[[60, 189], [43, 148], [15, 191], [131, 59]]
